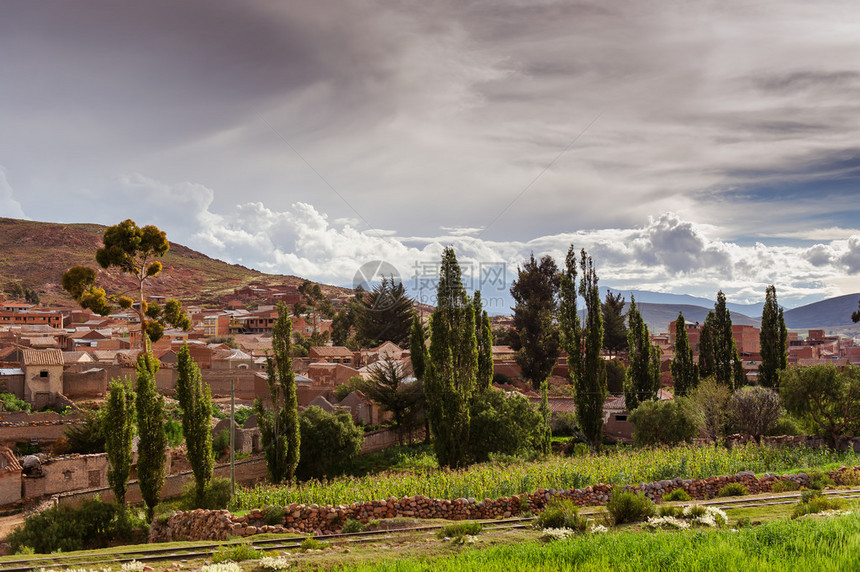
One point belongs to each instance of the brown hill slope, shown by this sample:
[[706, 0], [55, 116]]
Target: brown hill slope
[[36, 254]]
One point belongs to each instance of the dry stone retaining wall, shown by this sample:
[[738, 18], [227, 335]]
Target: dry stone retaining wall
[[316, 519]]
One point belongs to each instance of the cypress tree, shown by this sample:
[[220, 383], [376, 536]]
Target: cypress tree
[[418, 348], [614, 326], [685, 372], [152, 446], [119, 431], [484, 335], [449, 377], [195, 400], [643, 375], [724, 350], [534, 292], [773, 336], [706, 347], [545, 434], [279, 427], [583, 344]]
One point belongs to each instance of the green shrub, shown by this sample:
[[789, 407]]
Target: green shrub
[[221, 443], [93, 524], [677, 495], [329, 441], [459, 530], [733, 490], [626, 506], [173, 430], [815, 504], [215, 497], [784, 486], [87, 436], [564, 424], [274, 515], [662, 423], [10, 402], [669, 510], [352, 526], [809, 495], [787, 425], [819, 480], [579, 449], [502, 424], [695, 511], [850, 477], [561, 513], [311, 543], [743, 522], [235, 553]]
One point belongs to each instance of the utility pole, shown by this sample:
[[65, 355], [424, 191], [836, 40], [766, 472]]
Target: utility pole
[[232, 438]]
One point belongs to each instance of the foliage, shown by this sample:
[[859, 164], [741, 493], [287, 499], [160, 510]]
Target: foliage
[[152, 446], [229, 341], [93, 524], [583, 343], [484, 338], [87, 436], [614, 323], [709, 406], [356, 382], [755, 409], [813, 502], [784, 486], [626, 506], [351, 526], [643, 375], [195, 400], [773, 337], [18, 291], [677, 495], [235, 553], [663, 423], [132, 250], [819, 480], [279, 427], [216, 495], [781, 546], [494, 480], [787, 425], [174, 433], [274, 515], [850, 477], [388, 387], [733, 490], [685, 372], [722, 345], [383, 314], [449, 374], [561, 513], [10, 402], [534, 293], [502, 424], [458, 530], [544, 431], [616, 373], [856, 315], [221, 443], [311, 543], [329, 441], [119, 416], [825, 396]]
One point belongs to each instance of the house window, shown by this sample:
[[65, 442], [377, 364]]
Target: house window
[[621, 418], [43, 374]]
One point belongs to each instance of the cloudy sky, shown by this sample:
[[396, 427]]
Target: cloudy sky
[[688, 146]]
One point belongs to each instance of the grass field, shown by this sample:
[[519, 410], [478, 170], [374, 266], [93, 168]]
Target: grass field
[[792, 546], [495, 480]]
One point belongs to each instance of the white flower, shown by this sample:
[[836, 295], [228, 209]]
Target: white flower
[[133, 566], [656, 522], [222, 567], [274, 564], [599, 529], [550, 534]]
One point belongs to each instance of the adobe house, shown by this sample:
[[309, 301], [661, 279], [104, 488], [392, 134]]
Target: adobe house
[[10, 477], [43, 376]]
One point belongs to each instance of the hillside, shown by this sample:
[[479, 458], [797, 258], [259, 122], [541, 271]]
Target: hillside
[[37, 254], [658, 316], [833, 312]]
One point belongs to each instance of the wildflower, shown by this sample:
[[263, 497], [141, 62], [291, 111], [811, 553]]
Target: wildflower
[[133, 566], [599, 529], [550, 534], [274, 564], [656, 522]]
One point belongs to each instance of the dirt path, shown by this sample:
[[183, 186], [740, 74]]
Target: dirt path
[[8, 523]]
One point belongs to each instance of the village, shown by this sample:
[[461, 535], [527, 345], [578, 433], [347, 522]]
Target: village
[[59, 359]]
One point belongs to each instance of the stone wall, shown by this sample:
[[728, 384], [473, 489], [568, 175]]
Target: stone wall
[[20, 427], [303, 519]]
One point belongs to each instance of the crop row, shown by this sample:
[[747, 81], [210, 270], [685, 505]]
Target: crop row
[[495, 480]]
